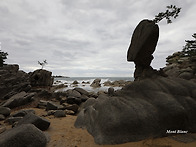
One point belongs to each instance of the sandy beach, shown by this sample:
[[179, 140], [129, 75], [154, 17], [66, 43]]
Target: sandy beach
[[62, 133]]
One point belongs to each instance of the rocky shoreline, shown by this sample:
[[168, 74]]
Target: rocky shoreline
[[22, 93]]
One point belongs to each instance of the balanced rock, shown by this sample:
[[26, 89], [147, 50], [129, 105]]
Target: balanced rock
[[143, 44], [23, 136]]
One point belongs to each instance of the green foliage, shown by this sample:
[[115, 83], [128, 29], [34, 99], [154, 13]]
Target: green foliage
[[189, 49], [42, 63], [171, 11], [3, 56]]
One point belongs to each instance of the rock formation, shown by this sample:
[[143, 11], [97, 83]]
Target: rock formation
[[25, 135], [146, 108], [143, 43], [151, 106], [181, 66], [13, 81], [41, 77], [96, 83]]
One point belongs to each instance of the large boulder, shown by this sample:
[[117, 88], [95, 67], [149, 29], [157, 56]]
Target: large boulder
[[143, 41], [41, 123], [23, 136], [12, 81], [82, 91], [143, 109], [41, 78], [96, 83], [19, 99]]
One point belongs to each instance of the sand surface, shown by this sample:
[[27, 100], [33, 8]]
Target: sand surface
[[62, 133]]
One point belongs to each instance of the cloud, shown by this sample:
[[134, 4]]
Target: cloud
[[86, 37]]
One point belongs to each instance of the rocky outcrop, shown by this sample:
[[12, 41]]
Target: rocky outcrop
[[41, 78], [19, 89], [23, 136], [96, 83], [12, 81], [143, 109], [181, 66]]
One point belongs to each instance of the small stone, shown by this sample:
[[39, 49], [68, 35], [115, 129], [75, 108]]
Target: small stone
[[63, 100], [12, 120], [73, 100], [70, 112], [22, 113], [59, 113], [75, 82], [5, 111], [51, 106], [50, 112], [42, 104], [2, 117], [73, 107], [111, 91], [2, 128]]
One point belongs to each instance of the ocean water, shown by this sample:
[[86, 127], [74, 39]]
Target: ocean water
[[69, 81]]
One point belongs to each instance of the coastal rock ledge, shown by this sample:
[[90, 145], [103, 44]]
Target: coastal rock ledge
[[144, 109]]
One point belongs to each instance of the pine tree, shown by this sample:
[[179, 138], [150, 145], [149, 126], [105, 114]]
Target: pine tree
[[189, 49], [172, 11], [43, 63], [3, 56]]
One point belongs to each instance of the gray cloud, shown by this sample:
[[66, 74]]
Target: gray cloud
[[86, 38]]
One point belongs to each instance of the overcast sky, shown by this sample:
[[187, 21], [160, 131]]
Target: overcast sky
[[87, 37]]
